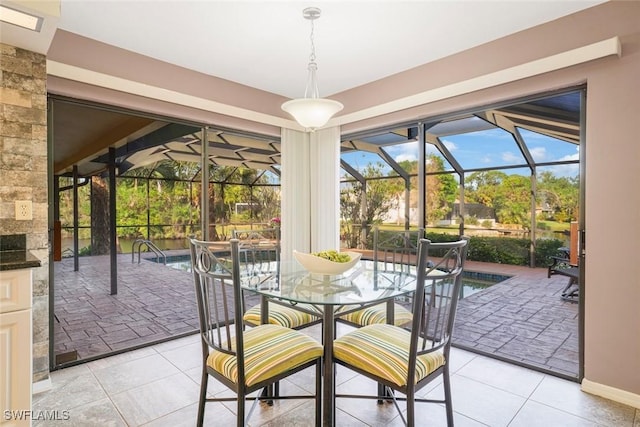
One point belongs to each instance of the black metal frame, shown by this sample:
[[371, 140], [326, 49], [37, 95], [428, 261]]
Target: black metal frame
[[434, 311], [396, 252], [222, 329]]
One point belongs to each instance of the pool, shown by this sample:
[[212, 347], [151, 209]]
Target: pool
[[472, 281]]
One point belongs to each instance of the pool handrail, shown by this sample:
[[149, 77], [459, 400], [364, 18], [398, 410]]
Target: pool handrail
[[149, 245]]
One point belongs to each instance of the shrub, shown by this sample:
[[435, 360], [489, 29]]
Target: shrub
[[500, 250], [503, 250], [471, 220], [545, 249]]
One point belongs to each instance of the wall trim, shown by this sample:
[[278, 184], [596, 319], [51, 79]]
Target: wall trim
[[601, 49], [41, 386], [612, 393], [83, 75]]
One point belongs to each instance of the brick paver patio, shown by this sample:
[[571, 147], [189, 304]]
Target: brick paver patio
[[522, 319], [154, 302]]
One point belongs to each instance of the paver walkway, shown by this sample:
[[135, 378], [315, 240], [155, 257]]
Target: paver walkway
[[522, 319], [154, 302]]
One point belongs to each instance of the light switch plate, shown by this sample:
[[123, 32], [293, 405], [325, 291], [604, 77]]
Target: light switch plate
[[24, 210]]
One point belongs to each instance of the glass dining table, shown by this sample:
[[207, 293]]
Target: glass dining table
[[328, 296]]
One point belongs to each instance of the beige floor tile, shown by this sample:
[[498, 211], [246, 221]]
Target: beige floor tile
[[568, 397], [69, 392], [481, 402], [185, 357], [156, 399], [265, 413], [511, 378], [434, 415], [367, 411], [459, 358], [302, 415], [121, 358], [134, 373], [213, 387], [534, 414], [98, 413], [215, 414], [176, 343]]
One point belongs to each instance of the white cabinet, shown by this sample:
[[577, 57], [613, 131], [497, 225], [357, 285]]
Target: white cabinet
[[15, 347]]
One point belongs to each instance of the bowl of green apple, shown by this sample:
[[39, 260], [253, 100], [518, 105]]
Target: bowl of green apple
[[327, 262]]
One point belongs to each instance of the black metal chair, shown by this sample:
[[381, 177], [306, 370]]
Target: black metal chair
[[243, 360], [395, 251], [260, 255], [561, 265], [406, 359]]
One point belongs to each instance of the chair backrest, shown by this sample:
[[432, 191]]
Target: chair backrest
[[219, 299], [259, 251], [439, 283], [258, 236], [396, 250]]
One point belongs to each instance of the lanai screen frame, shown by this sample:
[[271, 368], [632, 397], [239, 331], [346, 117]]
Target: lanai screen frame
[[418, 130]]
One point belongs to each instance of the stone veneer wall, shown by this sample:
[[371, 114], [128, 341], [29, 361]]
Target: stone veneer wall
[[23, 176]]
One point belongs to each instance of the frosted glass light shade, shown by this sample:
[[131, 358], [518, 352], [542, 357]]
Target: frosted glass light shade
[[312, 113]]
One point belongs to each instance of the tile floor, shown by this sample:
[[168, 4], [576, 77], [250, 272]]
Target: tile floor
[[158, 386]]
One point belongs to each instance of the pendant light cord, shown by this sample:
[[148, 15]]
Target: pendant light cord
[[311, 90]]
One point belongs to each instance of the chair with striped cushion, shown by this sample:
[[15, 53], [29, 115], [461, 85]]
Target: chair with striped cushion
[[260, 256], [406, 359], [243, 360], [394, 251]]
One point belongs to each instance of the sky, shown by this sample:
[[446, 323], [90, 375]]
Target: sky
[[489, 148]]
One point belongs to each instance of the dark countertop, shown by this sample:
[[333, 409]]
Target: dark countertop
[[14, 260]]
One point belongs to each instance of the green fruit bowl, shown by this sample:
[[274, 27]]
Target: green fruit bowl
[[315, 264]]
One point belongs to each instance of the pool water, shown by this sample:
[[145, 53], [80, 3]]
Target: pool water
[[472, 281]]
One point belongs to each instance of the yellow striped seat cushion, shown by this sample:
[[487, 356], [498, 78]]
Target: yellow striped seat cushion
[[383, 350], [269, 350], [378, 314], [279, 314]]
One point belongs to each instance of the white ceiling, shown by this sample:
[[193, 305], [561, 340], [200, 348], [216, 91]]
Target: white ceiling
[[265, 44]]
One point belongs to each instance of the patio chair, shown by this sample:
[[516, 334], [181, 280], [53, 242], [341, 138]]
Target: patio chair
[[248, 360], [561, 265], [407, 359], [394, 251], [260, 255]]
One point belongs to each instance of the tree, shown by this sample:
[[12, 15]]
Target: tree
[[560, 195], [509, 195], [441, 189], [513, 201], [100, 236], [379, 197]]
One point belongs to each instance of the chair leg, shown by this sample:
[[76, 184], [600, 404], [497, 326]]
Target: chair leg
[[240, 421], [411, 407], [267, 394], [446, 381], [319, 394], [203, 396]]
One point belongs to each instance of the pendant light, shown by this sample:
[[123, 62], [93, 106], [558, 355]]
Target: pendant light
[[312, 112]]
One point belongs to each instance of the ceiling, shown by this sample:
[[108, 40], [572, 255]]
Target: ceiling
[[265, 45]]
